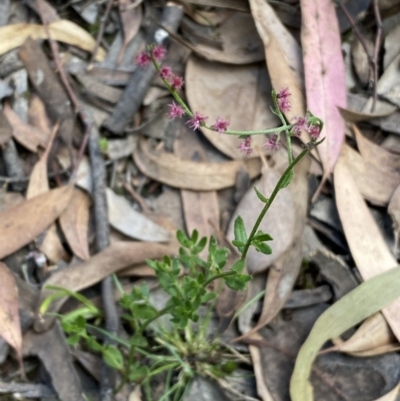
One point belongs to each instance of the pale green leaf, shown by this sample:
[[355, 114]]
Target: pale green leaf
[[365, 300]]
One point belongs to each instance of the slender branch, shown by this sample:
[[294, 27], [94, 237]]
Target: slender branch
[[103, 21], [372, 60]]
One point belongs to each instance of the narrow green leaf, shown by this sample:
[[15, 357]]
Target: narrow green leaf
[[262, 247], [260, 196], [240, 230], [365, 300], [195, 236], [112, 357]]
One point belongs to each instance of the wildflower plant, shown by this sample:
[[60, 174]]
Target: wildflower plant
[[188, 279]]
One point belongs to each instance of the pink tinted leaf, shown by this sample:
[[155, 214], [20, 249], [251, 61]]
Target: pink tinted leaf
[[324, 75]]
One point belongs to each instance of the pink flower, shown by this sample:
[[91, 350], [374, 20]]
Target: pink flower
[[196, 121], [314, 132], [159, 52], [272, 143], [175, 111], [220, 125], [245, 146], [165, 72], [299, 126], [143, 59], [176, 82], [283, 100]]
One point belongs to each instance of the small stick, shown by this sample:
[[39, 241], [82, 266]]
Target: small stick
[[372, 60], [103, 21]]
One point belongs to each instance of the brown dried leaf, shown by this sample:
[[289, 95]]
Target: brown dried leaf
[[37, 115], [283, 55], [201, 208], [240, 94], [74, 223], [368, 248], [365, 172], [10, 328], [28, 136], [14, 35], [373, 333], [123, 217], [114, 258], [21, 224], [169, 169], [130, 20], [5, 129], [240, 41]]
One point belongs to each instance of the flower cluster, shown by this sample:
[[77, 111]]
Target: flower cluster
[[245, 145], [283, 100], [304, 124]]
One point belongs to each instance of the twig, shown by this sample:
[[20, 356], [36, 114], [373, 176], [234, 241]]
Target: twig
[[100, 210], [372, 60], [103, 21], [133, 95], [376, 49]]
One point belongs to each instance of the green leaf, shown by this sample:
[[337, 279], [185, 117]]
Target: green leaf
[[139, 341], [112, 357], [365, 300], [261, 236], [237, 282], [260, 196], [238, 266], [240, 230], [195, 236], [183, 239], [238, 244], [200, 246], [72, 340], [262, 247], [208, 297]]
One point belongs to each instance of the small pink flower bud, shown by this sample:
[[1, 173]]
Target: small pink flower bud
[[245, 146], [165, 72], [176, 82], [299, 126], [159, 52], [272, 143], [220, 125], [196, 121], [175, 111], [283, 100], [314, 132], [143, 59]]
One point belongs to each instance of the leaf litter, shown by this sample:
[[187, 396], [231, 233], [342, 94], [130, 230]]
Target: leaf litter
[[162, 177]]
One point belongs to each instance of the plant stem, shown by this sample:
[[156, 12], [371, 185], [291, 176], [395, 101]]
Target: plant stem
[[277, 188], [217, 276], [159, 314]]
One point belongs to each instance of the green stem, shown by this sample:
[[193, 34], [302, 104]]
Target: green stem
[[159, 314], [217, 276], [277, 188], [257, 132]]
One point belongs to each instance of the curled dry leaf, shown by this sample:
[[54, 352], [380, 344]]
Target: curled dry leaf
[[283, 55], [239, 94], [5, 129], [279, 222], [114, 258], [123, 217], [169, 169], [391, 395], [356, 110], [364, 173], [240, 41], [368, 248], [394, 211], [74, 224], [200, 208], [130, 20], [10, 328], [324, 75], [373, 333], [388, 85], [27, 135], [379, 166], [21, 224], [63, 30]]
